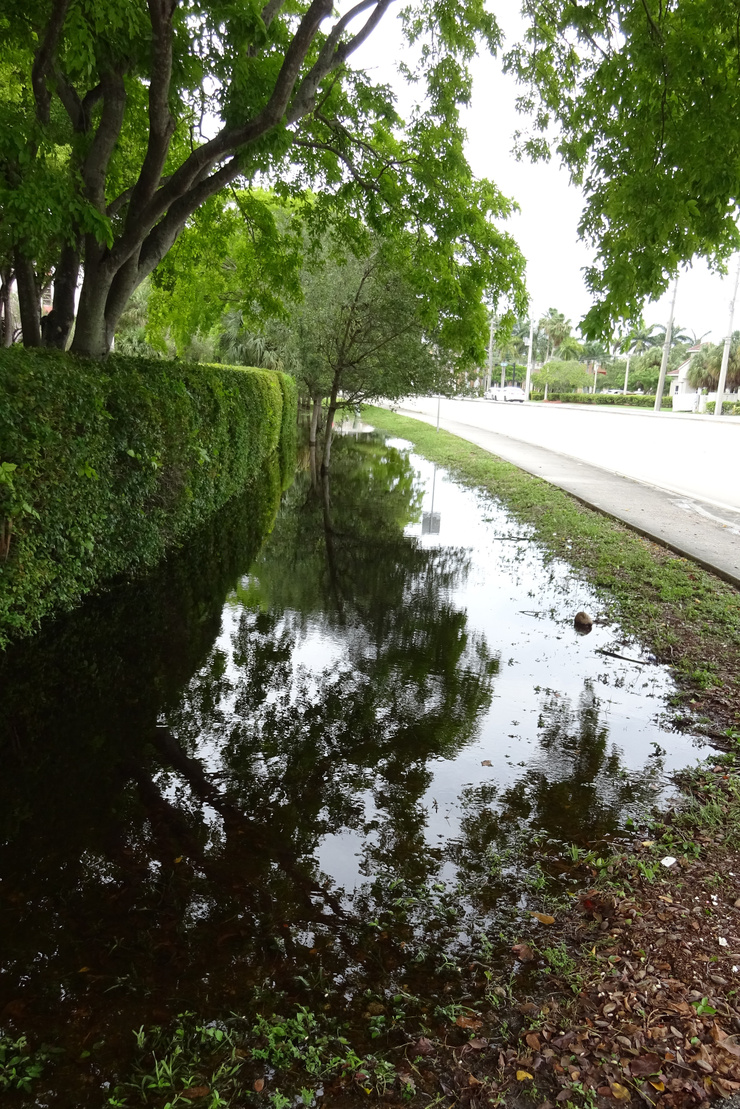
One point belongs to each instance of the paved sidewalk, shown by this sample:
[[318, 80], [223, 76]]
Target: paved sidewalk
[[688, 526]]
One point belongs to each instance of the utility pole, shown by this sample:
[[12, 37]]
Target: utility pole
[[530, 359], [666, 350], [726, 351], [627, 373]]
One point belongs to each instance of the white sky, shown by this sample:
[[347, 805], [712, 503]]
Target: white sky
[[545, 228]]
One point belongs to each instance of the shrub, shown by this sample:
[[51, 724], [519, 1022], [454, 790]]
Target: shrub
[[727, 410], [631, 400], [104, 466]]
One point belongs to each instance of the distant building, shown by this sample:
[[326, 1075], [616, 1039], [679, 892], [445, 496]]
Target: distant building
[[678, 379]]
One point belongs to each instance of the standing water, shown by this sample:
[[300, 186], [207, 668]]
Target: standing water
[[304, 774]]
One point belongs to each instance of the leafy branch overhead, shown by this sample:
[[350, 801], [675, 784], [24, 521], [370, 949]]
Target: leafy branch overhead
[[641, 101], [121, 121]]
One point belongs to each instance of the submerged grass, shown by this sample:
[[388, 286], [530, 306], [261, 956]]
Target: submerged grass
[[687, 616]]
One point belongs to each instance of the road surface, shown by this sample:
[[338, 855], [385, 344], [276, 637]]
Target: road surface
[[674, 477]]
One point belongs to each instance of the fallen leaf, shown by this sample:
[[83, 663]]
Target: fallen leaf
[[468, 1022], [486, 762], [543, 918], [533, 1041], [524, 952], [473, 1081], [477, 1045], [657, 1084], [645, 1065], [423, 1046], [523, 1076], [620, 1092], [195, 1091], [259, 1085]]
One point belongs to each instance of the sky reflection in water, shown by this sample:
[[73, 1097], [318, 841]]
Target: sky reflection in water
[[470, 627]]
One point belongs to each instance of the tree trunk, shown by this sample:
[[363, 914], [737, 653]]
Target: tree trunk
[[93, 337], [315, 413], [28, 300], [331, 413], [57, 326], [6, 285]]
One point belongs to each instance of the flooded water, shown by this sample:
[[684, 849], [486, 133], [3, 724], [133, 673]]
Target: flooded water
[[306, 769]]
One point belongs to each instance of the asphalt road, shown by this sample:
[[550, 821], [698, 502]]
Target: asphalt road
[[672, 477]]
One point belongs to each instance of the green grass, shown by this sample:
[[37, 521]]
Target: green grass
[[688, 617]]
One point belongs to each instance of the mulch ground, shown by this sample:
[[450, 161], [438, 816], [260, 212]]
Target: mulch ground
[[647, 1013]]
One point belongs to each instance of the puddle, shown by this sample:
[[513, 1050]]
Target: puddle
[[315, 790]]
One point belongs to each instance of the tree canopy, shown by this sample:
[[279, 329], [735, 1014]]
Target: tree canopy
[[120, 122], [640, 99], [705, 365]]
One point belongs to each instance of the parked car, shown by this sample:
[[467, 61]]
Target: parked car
[[507, 393]]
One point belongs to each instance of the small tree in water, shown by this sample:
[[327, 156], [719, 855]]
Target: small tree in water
[[362, 332]]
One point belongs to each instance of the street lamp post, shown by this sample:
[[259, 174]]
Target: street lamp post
[[726, 351]]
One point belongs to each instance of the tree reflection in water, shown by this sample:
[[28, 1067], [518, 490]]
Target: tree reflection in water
[[177, 778], [574, 790]]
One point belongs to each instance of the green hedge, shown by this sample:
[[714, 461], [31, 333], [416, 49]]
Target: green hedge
[[104, 466], [631, 400], [727, 409]]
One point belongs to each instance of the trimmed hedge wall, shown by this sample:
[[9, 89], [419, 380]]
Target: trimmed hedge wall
[[104, 466], [728, 409], [632, 400]]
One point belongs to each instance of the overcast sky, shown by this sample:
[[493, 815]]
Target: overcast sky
[[546, 226]]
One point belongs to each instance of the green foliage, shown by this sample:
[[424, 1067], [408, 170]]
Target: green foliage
[[122, 126], [257, 284], [706, 364], [562, 375], [631, 400], [239, 251], [106, 467], [19, 1066], [727, 409], [644, 104]]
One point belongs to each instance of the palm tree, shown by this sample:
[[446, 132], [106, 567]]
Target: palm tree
[[556, 328], [705, 365], [241, 347], [678, 335]]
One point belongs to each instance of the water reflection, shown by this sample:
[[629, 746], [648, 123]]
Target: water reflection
[[218, 779]]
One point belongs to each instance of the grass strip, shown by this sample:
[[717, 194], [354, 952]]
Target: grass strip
[[688, 617]]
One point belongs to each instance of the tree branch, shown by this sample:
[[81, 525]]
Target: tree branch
[[344, 158], [161, 123], [163, 235], [44, 59], [95, 166], [230, 139], [270, 10], [334, 53]]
